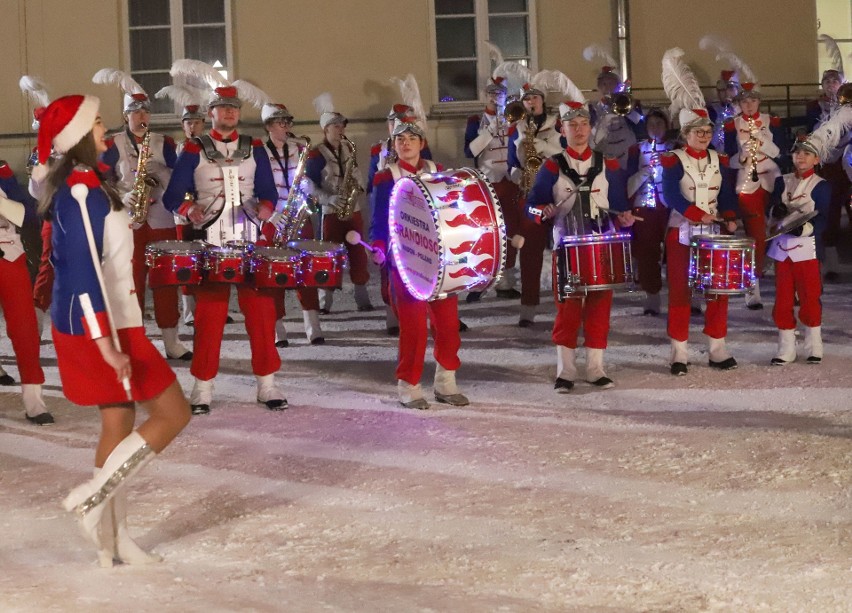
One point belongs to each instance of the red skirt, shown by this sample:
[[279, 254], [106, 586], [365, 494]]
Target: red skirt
[[88, 380]]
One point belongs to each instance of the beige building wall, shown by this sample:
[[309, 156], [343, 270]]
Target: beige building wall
[[352, 49]]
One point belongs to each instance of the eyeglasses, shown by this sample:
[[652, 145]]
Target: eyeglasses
[[703, 132]]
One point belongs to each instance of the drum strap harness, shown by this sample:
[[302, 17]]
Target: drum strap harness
[[230, 171], [583, 213]]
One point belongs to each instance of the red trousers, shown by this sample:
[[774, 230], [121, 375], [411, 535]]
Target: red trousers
[[16, 290], [43, 287], [335, 230], [211, 313], [591, 310], [532, 255], [800, 279], [165, 298], [753, 212], [507, 194], [648, 237], [443, 316], [680, 295], [836, 176], [308, 296]]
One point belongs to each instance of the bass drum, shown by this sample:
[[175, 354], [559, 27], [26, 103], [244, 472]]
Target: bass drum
[[447, 233]]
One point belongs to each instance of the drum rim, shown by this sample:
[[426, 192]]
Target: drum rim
[[600, 239], [153, 249], [338, 247], [262, 253], [726, 241]]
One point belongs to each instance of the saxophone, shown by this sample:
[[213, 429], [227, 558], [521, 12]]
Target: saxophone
[[143, 183], [299, 206], [532, 160], [349, 188], [753, 147]]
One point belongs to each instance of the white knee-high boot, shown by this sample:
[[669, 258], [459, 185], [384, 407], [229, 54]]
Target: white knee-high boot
[[410, 396], [446, 389], [89, 500], [813, 344], [719, 356], [116, 543], [566, 368], [174, 348], [595, 373], [313, 330], [786, 348]]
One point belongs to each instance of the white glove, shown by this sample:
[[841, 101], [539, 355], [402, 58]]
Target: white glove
[[378, 257]]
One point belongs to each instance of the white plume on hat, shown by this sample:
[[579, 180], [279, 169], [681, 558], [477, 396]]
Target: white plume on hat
[[35, 89], [827, 136], [410, 92], [681, 87], [834, 53], [514, 75], [494, 53], [554, 80], [599, 51], [724, 54], [184, 95], [251, 93], [200, 71], [113, 76]]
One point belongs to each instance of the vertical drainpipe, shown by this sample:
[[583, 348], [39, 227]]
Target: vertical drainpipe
[[622, 32]]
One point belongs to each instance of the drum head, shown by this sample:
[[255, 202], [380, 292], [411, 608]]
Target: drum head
[[315, 247], [276, 254], [596, 239], [179, 247], [721, 241]]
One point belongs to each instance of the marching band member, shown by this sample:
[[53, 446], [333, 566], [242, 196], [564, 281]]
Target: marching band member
[[831, 165], [559, 195], [697, 188], [752, 141], [486, 140], [328, 165], [615, 130], [103, 354], [724, 108], [122, 156], [797, 272], [16, 291], [532, 139], [382, 153], [229, 175], [442, 314], [644, 188], [284, 152]]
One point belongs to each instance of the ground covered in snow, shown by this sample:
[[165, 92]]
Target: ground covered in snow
[[710, 492]]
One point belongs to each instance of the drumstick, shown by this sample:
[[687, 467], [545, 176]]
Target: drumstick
[[517, 241], [617, 213], [353, 237]]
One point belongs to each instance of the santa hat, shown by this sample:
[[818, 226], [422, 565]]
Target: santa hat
[[135, 98], [64, 123], [680, 85], [399, 111], [596, 51], [749, 90], [407, 124], [36, 90], [275, 111], [324, 105], [189, 98]]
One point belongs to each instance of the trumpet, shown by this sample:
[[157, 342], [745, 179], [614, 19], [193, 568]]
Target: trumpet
[[620, 103]]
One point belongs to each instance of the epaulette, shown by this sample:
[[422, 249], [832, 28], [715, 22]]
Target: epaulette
[[169, 140], [668, 159], [5, 170], [83, 175], [552, 165], [724, 160], [314, 153], [474, 119], [191, 146], [383, 176], [513, 130], [256, 142], [729, 124], [775, 121], [611, 163], [633, 149], [109, 142], [376, 149]]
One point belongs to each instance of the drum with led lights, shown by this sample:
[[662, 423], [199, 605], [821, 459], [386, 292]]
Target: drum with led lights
[[447, 233], [592, 262], [721, 264]]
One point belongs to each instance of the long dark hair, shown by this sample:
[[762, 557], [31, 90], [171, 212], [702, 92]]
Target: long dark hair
[[83, 153]]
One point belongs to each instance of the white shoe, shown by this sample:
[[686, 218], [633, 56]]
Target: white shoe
[[175, 350], [595, 373], [201, 397], [411, 396], [89, 500], [445, 388], [813, 344], [313, 329], [326, 298], [268, 393], [786, 348]]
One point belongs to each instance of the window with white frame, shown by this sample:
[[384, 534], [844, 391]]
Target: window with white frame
[[161, 31], [461, 29]]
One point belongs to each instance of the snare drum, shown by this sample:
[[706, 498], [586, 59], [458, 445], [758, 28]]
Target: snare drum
[[447, 233], [272, 267], [721, 264], [592, 262], [174, 263], [322, 262], [227, 264]]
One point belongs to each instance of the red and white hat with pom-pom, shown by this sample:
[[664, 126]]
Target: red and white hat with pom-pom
[[63, 124], [693, 118]]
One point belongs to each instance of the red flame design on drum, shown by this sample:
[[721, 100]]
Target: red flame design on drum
[[485, 267], [484, 245], [437, 180], [452, 196]]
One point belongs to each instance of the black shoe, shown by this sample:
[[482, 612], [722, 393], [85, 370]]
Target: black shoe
[[525, 323], [366, 308], [678, 369], [757, 306], [462, 326], [393, 331], [229, 320], [729, 364], [563, 386], [695, 311], [185, 357], [813, 360], [189, 324], [279, 404], [831, 277], [324, 311], [283, 343], [650, 312], [509, 294], [200, 409], [778, 362], [473, 297], [603, 382], [7, 380], [318, 341], [42, 419]]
